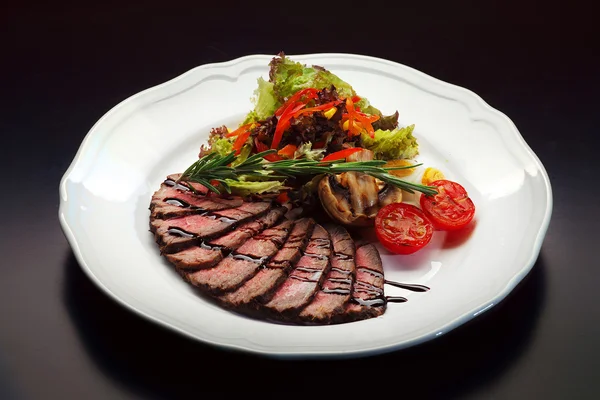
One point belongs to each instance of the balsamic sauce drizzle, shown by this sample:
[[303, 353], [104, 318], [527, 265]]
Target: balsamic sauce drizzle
[[379, 299]]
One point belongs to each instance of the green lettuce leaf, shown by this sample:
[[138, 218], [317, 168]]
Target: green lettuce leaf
[[289, 76], [222, 146], [392, 144], [305, 151], [265, 102], [386, 122], [244, 188]]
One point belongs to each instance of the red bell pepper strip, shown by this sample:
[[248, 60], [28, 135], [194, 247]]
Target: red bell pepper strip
[[288, 151], [283, 198], [240, 141], [319, 145], [322, 107], [342, 154], [310, 93], [284, 122], [260, 147]]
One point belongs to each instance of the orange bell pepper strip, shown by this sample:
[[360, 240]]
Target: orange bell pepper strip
[[358, 121], [239, 130], [288, 151]]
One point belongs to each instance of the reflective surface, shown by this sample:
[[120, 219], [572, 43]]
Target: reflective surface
[[62, 337]]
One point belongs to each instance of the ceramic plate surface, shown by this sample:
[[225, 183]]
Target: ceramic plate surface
[[106, 192]]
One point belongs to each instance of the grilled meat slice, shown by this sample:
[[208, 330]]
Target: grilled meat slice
[[368, 300], [208, 255], [242, 264], [178, 233], [304, 280], [259, 288], [336, 290]]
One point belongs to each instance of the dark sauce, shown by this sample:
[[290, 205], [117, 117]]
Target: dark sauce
[[396, 299], [313, 255], [206, 246], [374, 302], [181, 233], [336, 291], [176, 202], [409, 286], [171, 182], [367, 287], [307, 269], [342, 271], [371, 272], [300, 278], [379, 301], [341, 280], [248, 258], [341, 256]]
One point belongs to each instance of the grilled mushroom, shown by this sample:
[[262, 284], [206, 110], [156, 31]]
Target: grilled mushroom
[[354, 198]]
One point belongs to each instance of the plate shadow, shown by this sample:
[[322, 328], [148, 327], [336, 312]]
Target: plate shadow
[[151, 361]]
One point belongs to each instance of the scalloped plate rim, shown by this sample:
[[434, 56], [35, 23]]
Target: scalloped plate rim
[[467, 316]]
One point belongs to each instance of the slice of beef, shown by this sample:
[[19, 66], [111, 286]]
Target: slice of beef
[[177, 233], [242, 264], [208, 255], [335, 293], [169, 202], [241, 234], [196, 257], [305, 279], [261, 286], [368, 299]]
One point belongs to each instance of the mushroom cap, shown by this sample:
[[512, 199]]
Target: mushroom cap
[[354, 198]]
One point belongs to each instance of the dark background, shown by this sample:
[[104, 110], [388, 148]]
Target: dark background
[[64, 65]]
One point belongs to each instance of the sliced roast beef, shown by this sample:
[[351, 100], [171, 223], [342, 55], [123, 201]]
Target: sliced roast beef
[[208, 255], [331, 300], [177, 233], [256, 259], [305, 279], [259, 288], [196, 257], [243, 263], [367, 299], [169, 202], [241, 234]]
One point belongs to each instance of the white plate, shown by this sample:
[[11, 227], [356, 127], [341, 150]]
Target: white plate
[[106, 192]]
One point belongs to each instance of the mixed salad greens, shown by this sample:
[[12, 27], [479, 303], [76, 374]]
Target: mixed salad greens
[[307, 112], [310, 135]]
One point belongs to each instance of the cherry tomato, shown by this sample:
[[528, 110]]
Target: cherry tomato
[[451, 208], [403, 228]]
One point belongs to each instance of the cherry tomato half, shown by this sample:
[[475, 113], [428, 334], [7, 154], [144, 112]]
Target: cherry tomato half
[[451, 208], [403, 228]]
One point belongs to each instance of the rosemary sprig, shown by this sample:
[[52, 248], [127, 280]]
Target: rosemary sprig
[[216, 168]]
